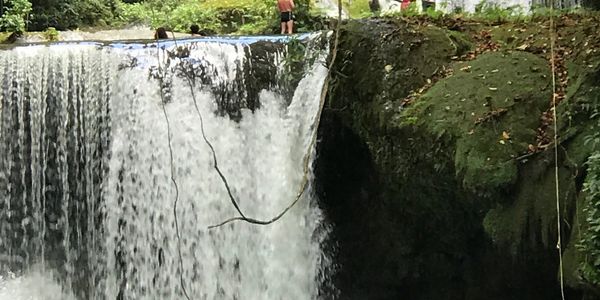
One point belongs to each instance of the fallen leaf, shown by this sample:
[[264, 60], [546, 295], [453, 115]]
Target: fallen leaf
[[505, 135], [466, 69], [502, 142], [523, 47], [389, 68]]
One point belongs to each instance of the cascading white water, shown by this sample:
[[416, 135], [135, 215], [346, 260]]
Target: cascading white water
[[86, 174]]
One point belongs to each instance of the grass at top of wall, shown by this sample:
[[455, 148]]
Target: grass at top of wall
[[357, 8]]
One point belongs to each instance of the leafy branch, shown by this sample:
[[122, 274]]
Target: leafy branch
[[16, 16]]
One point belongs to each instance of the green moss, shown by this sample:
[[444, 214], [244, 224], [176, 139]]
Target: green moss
[[530, 222], [4, 36], [489, 109], [573, 256], [461, 41], [583, 95], [394, 59], [357, 9], [453, 163]]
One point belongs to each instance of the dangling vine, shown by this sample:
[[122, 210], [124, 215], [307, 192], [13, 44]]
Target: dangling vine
[[306, 161], [242, 216]]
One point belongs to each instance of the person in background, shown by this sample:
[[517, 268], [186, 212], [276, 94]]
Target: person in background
[[160, 34], [287, 19], [195, 30]]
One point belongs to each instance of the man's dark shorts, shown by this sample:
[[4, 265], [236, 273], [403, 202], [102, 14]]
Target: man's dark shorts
[[286, 17]]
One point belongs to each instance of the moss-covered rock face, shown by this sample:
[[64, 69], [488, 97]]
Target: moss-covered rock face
[[426, 169], [489, 109]]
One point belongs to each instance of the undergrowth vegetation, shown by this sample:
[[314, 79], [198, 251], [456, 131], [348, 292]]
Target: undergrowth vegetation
[[590, 241], [212, 16], [486, 11], [15, 16], [221, 16]]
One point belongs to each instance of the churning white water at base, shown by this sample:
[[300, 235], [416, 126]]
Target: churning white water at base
[[34, 286], [90, 157]]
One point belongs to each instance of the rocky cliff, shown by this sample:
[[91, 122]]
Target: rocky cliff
[[436, 161]]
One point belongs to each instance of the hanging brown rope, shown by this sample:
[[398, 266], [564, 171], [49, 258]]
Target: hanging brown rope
[[242, 216], [306, 161]]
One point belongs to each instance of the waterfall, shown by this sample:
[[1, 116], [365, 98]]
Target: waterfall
[[86, 197]]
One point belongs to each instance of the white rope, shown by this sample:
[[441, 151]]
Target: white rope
[[556, 175]]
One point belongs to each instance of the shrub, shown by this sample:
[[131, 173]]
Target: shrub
[[16, 15], [51, 34], [222, 16], [489, 10], [69, 14], [590, 241]]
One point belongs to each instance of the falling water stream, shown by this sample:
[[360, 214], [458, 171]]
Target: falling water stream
[[86, 198]]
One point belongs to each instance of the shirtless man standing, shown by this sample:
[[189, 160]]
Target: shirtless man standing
[[287, 19]]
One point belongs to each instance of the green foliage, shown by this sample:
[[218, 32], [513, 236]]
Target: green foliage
[[357, 8], [51, 34], [220, 16], [16, 15], [248, 16], [593, 4], [491, 11], [433, 13], [542, 12], [590, 242], [256, 27], [136, 13], [411, 11], [294, 60], [207, 18], [69, 14]]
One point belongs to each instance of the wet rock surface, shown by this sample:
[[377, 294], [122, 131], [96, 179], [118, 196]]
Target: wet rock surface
[[436, 163]]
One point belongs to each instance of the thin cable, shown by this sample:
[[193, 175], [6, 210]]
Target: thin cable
[[307, 157], [164, 109], [556, 176]]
